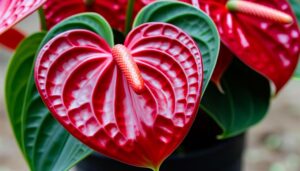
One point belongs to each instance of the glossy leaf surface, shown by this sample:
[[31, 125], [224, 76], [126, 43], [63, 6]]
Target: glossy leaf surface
[[114, 11], [194, 22], [11, 38], [12, 11], [79, 81], [44, 142], [270, 48], [295, 4], [17, 77], [48, 146], [244, 103], [297, 73]]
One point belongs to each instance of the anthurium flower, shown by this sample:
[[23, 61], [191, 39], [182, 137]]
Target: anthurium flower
[[261, 33], [133, 102]]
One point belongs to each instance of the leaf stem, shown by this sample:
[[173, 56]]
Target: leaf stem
[[88, 3], [129, 14], [42, 19], [156, 169]]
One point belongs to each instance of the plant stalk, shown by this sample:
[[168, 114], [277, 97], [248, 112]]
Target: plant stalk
[[42, 19], [129, 14], [259, 11]]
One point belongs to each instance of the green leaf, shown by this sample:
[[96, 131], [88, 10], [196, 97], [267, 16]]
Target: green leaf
[[245, 102], [194, 22], [296, 8], [49, 146], [297, 73], [42, 140], [129, 14], [17, 76], [88, 21]]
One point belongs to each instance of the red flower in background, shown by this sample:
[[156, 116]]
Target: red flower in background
[[114, 11], [271, 48], [12, 11], [268, 47]]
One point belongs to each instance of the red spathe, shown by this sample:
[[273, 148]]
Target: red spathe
[[88, 94], [270, 48]]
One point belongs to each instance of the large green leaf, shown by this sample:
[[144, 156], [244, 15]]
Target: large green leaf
[[194, 22], [35, 129], [17, 76], [245, 102]]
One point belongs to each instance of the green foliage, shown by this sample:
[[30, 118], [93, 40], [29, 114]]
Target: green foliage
[[17, 77], [194, 22], [88, 21], [45, 144], [297, 73], [245, 102], [296, 8]]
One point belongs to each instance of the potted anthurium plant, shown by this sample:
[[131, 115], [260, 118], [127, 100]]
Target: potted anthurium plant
[[130, 82]]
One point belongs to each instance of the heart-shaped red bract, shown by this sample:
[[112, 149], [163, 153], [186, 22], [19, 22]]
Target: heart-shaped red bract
[[268, 47], [12, 11], [114, 11], [86, 91]]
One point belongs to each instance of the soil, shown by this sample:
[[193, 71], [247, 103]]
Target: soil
[[273, 145]]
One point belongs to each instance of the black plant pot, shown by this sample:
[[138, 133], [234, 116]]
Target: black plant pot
[[202, 153]]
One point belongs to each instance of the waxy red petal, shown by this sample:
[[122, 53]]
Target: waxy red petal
[[12, 11], [270, 48], [89, 95], [57, 10], [114, 11]]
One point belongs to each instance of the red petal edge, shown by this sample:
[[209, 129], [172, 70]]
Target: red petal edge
[[224, 60], [88, 94], [12, 11]]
